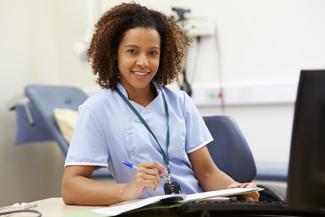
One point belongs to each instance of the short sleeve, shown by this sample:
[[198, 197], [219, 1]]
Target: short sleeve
[[197, 133], [88, 145]]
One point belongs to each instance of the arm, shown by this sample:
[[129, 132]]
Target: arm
[[78, 188], [211, 177], [208, 174]]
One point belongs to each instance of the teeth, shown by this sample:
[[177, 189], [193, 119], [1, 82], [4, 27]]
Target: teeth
[[140, 73]]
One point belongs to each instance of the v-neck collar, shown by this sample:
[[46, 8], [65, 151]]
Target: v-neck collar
[[125, 93]]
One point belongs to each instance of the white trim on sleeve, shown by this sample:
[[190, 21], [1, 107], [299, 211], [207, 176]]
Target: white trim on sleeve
[[86, 164], [200, 146]]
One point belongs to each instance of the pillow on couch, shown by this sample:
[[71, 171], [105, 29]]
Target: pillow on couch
[[66, 120]]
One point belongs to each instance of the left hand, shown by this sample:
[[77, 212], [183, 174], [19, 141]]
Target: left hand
[[251, 197]]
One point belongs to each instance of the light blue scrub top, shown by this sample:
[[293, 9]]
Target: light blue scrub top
[[108, 133]]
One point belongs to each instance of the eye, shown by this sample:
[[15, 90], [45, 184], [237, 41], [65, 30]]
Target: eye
[[131, 51], [154, 53]]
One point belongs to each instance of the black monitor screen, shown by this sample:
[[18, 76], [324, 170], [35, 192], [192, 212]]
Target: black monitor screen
[[306, 182]]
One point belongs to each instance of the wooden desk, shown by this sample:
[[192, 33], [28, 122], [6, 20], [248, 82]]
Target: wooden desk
[[54, 207]]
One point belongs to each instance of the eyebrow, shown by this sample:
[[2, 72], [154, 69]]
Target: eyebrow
[[131, 45]]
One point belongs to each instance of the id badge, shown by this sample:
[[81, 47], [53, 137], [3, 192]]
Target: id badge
[[172, 187]]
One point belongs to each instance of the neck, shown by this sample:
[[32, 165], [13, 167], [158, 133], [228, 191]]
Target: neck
[[142, 96]]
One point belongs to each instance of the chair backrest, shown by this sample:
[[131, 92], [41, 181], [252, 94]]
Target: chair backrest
[[229, 149], [45, 98]]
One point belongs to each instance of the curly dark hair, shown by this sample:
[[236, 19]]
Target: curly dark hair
[[110, 30]]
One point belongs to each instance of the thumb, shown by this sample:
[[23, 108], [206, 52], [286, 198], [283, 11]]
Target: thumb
[[234, 185]]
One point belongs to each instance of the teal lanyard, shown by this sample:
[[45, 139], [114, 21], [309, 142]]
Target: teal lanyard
[[161, 151]]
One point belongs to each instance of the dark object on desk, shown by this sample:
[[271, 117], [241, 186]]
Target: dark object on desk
[[45, 98], [306, 182], [216, 208]]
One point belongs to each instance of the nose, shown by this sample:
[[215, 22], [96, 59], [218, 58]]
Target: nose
[[142, 61]]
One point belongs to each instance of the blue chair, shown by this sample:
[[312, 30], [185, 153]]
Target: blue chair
[[45, 98], [231, 153], [229, 149]]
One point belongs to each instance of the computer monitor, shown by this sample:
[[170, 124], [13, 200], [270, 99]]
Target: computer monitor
[[306, 180]]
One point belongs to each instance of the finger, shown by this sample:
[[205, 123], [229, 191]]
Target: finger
[[250, 185], [245, 197], [254, 196], [251, 199], [154, 165], [144, 181], [234, 185], [149, 171], [148, 184], [153, 168], [154, 179], [149, 174], [244, 185], [151, 178], [161, 168]]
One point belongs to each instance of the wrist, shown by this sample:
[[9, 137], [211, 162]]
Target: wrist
[[123, 193]]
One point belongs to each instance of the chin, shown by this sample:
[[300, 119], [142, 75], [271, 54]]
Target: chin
[[141, 86], [141, 83]]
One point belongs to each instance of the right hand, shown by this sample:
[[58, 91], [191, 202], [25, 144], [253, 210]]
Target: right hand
[[251, 197], [148, 176]]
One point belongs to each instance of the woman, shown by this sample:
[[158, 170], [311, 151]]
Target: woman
[[135, 119]]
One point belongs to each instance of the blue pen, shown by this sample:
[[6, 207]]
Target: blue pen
[[131, 165]]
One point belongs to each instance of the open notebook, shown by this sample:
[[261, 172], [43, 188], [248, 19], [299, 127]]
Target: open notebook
[[174, 198]]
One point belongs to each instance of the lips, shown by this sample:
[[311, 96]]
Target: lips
[[140, 73]]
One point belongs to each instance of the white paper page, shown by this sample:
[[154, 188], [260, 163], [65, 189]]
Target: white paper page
[[135, 204], [220, 193], [130, 205]]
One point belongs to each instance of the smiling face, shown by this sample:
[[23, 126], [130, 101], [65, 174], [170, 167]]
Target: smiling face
[[138, 58]]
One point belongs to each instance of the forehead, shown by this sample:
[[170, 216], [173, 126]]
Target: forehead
[[142, 37]]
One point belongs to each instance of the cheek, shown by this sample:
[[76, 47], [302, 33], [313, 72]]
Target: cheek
[[155, 64], [123, 63]]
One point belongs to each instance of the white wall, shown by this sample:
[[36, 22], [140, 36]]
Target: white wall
[[35, 47], [261, 42]]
